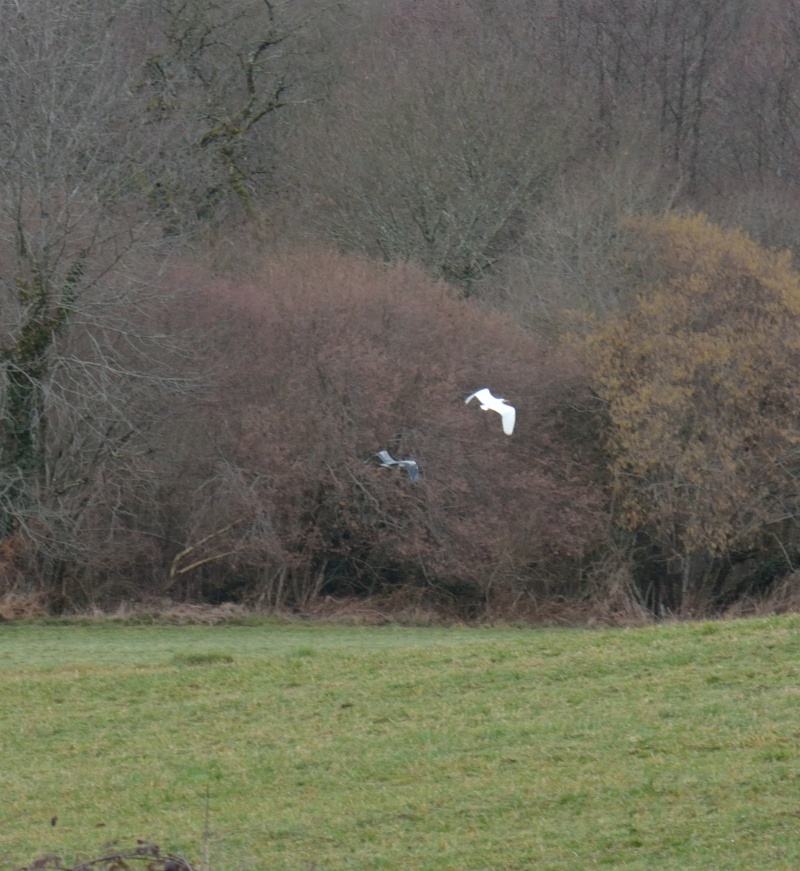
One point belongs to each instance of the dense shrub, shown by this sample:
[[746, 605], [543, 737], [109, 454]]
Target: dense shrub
[[322, 360], [700, 378]]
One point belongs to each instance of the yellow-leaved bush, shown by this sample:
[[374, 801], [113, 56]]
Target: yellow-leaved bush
[[699, 377]]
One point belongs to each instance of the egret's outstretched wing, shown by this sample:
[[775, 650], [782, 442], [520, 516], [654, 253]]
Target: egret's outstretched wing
[[509, 415], [484, 396]]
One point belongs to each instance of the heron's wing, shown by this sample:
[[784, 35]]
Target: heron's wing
[[412, 468], [509, 414], [385, 458]]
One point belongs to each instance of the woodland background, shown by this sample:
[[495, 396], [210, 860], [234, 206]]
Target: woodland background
[[246, 244]]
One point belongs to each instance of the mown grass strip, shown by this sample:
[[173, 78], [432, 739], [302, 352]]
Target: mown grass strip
[[394, 748]]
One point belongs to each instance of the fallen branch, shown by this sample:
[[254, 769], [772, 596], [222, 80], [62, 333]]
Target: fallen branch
[[174, 571]]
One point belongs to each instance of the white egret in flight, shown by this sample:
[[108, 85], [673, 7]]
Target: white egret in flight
[[495, 403]]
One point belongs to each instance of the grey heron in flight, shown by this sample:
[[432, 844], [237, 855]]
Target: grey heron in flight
[[495, 403], [386, 460]]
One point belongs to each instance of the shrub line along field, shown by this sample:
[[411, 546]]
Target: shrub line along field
[[455, 749]]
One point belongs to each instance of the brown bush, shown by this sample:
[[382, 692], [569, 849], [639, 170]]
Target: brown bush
[[317, 364], [699, 380]]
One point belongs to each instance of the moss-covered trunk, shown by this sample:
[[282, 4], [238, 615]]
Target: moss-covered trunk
[[26, 363]]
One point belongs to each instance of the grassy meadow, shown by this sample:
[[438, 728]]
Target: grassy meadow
[[449, 749]]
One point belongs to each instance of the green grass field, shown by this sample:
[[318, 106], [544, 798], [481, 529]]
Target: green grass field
[[340, 747]]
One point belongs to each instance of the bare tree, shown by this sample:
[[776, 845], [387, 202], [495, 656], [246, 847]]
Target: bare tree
[[215, 73], [656, 65], [756, 127], [569, 261], [79, 348], [441, 134]]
